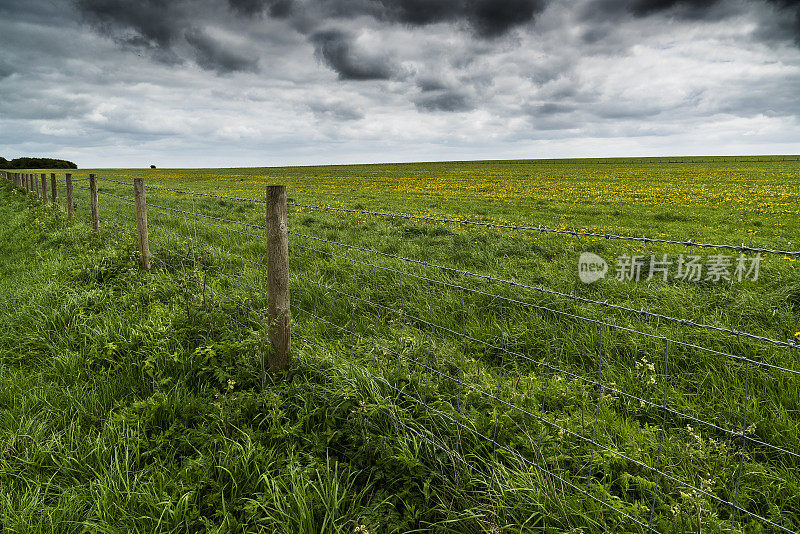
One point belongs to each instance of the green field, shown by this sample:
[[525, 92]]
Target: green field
[[447, 377]]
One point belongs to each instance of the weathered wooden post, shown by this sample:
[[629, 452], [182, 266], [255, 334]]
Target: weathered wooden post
[[44, 187], [141, 223], [279, 313], [95, 206], [70, 209], [53, 188], [35, 184]]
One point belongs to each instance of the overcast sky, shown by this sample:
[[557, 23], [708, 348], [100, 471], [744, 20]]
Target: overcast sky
[[216, 83]]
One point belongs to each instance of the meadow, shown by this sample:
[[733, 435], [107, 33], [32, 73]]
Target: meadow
[[447, 376]]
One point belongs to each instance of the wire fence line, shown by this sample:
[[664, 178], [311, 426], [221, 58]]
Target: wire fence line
[[483, 371], [540, 228], [545, 229], [642, 312]]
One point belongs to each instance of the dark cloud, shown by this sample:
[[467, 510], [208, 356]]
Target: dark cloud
[[550, 108], [445, 100], [6, 70], [785, 26], [41, 105], [338, 50], [488, 18], [274, 8], [427, 84], [152, 23], [688, 8], [211, 55], [422, 12], [788, 24], [337, 111], [492, 18], [162, 28]]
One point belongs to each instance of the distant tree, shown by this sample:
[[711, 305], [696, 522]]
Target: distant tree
[[36, 163], [152, 166]]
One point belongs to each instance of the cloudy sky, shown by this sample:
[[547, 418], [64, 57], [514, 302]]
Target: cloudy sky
[[196, 83]]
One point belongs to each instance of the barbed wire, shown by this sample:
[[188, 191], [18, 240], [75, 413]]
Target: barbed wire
[[585, 300], [550, 367], [641, 312], [571, 296], [516, 453], [129, 184], [211, 217], [475, 432], [211, 195], [123, 199], [566, 314], [546, 229]]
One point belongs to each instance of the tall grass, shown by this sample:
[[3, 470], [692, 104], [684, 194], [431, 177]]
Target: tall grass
[[142, 398]]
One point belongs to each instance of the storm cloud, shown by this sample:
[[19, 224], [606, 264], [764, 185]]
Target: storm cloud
[[488, 18], [273, 8], [166, 29], [212, 55], [314, 81], [339, 50]]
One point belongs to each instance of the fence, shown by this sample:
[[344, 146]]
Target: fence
[[619, 406]]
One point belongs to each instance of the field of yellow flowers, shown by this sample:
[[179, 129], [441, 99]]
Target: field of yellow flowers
[[716, 199]]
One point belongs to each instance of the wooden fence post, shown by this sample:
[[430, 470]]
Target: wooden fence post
[[70, 209], [279, 313], [141, 223], [44, 187], [95, 206], [35, 183], [53, 189]]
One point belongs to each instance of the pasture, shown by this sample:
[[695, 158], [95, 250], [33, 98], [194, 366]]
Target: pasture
[[452, 373]]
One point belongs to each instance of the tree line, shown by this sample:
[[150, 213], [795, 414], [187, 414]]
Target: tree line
[[36, 163]]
